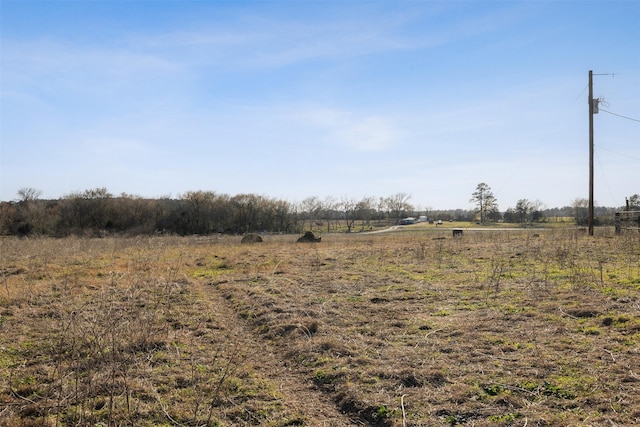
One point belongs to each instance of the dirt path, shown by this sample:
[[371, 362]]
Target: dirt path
[[299, 395]]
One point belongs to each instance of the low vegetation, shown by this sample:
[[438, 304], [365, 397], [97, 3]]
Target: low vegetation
[[98, 213], [494, 328]]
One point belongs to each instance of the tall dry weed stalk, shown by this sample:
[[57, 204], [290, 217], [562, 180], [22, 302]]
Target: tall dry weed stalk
[[104, 313], [487, 329]]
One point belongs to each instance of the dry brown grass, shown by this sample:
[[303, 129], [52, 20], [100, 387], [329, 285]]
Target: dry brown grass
[[392, 329]]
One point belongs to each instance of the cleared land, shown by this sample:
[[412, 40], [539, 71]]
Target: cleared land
[[535, 328]]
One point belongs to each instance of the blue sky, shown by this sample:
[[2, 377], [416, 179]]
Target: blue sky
[[343, 99]]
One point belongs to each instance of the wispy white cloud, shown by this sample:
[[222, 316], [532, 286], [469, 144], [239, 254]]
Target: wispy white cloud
[[424, 97], [69, 59], [358, 131], [371, 133], [253, 42]]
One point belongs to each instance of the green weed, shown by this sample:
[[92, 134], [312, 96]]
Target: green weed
[[505, 419]]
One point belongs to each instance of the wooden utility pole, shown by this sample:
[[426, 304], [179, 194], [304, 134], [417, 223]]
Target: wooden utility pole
[[591, 152]]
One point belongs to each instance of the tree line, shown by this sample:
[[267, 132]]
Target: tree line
[[97, 212]]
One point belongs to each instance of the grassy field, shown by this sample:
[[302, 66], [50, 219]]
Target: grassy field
[[407, 328]]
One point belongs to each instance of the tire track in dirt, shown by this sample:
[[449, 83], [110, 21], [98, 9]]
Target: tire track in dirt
[[299, 395]]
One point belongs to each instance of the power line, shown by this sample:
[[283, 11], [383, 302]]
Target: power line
[[620, 115], [583, 91], [619, 154], [605, 180]]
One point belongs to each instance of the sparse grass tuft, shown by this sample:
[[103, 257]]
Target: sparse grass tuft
[[393, 329]]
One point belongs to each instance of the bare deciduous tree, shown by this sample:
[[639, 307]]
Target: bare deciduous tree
[[398, 205], [348, 206], [634, 201], [310, 208], [28, 194], [580, 211]]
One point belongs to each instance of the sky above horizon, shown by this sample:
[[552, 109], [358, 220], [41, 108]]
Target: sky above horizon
[[342, 99]]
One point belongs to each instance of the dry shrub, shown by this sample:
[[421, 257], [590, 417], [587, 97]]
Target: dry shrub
[[251, 238]]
